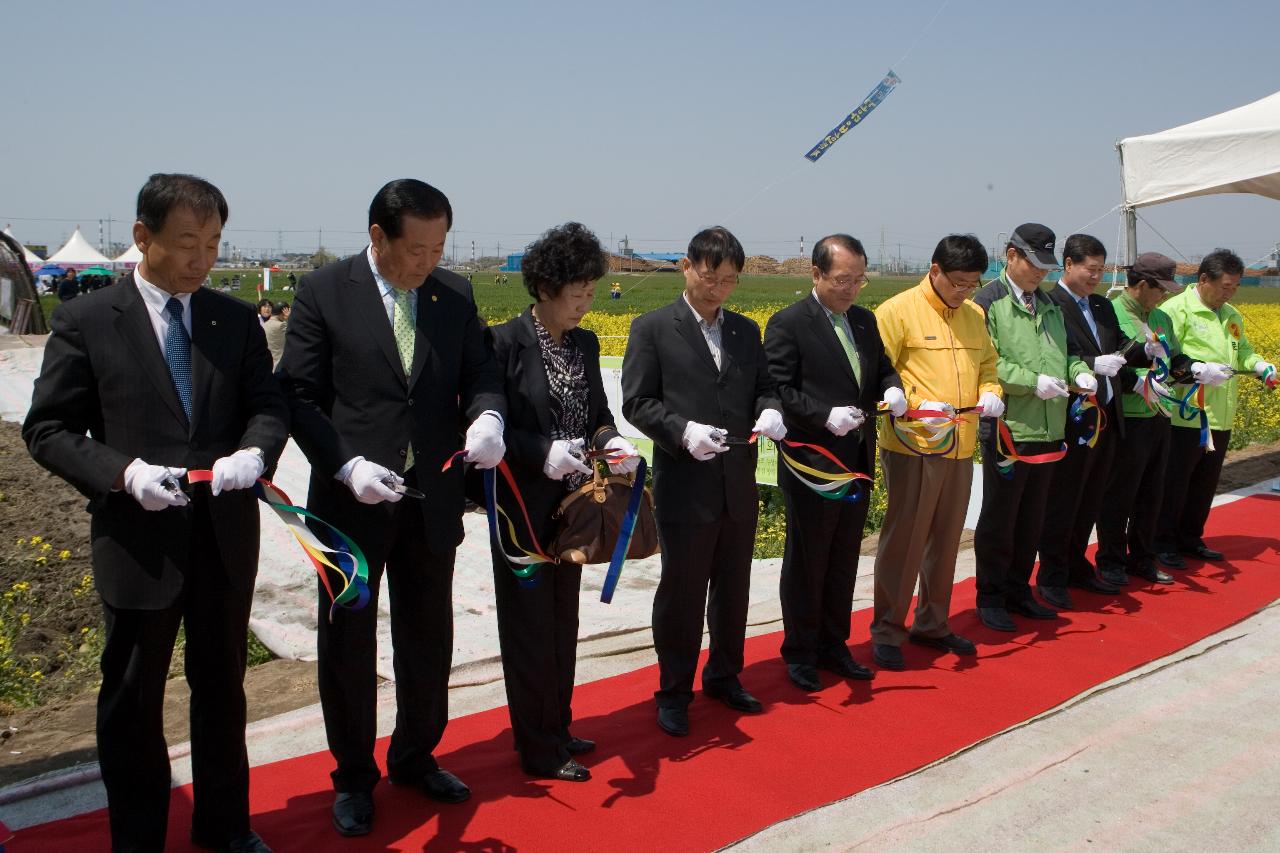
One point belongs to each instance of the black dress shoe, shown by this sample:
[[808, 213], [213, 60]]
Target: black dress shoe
[[1151, 573], [353, 813], [439, 785], [1057, 596], [735, 697], [996, 618], [1032, 609], [247, 843], [888, 657], [1114, 577], [1204, 552], [570, 771], [1172, 560], [674, 721], [846, 668], [951, 643], [1094, 584], [579, 745], [804, 676]]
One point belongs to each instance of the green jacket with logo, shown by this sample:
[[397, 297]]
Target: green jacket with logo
[[1028, 345], [1203, 334]]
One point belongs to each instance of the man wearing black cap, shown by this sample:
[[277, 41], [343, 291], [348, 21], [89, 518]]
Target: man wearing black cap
[[1093, 335], [1135, 488], [1035, 371]]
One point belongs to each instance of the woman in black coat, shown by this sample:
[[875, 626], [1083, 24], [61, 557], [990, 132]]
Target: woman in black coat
[[556, 409]]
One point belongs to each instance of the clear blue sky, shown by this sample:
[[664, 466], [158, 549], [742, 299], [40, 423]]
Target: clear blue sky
[[646, 119]]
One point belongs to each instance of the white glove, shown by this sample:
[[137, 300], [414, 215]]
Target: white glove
[[628, 465], [1262, 367], [368, 482], [1087, 383], [564, 459], [1153, 349], [1048, 387], [896, 401], [992, 405], [843, 419], [1211, 373], [145, 481], [1108, 365], [1156, 387], [484, 444], [240, 470], [770, 425], [699, 442], [935, 406]]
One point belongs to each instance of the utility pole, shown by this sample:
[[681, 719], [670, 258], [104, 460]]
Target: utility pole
[[882, 247], [101, 247], [802, 245], [899, 258]]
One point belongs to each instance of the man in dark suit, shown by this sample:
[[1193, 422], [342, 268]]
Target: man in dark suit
[[1080, 479], [385, 356], [140, 383], [696, 381], [826, 355]]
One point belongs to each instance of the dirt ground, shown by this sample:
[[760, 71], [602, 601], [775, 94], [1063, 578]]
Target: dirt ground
[[60, 733]]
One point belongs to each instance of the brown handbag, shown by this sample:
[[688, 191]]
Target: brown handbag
[[590, 521]]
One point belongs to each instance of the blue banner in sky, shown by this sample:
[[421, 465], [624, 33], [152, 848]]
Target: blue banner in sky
[[853, 119]]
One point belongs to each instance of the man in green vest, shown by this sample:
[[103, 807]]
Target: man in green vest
[[1134, 490], [1211, 333], [1036, 374]]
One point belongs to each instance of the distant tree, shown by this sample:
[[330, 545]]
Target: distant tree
[[321, 257]]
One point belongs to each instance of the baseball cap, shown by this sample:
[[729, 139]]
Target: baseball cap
[[1156, 268], [1036, 242]]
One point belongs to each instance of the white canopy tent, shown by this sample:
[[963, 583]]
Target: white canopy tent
[[78, 253], [130, 258], [1233, 152], [29, 256]]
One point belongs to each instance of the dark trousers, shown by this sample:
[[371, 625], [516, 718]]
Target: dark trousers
[[1191, 478], [706, 568], [1008, 532], [422, 638], [819, 567], [1075, 497], [1132, 499], [135, 663], [538, 634]]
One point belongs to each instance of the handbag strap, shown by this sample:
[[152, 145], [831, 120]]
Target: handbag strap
[[627, 530]]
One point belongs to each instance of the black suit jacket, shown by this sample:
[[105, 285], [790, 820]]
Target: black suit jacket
[[668, 379], [814, 375], [350, 397], [1080, 343], [528, 427], [105, 397]]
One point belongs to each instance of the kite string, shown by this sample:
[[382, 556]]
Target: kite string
[[920, 35]]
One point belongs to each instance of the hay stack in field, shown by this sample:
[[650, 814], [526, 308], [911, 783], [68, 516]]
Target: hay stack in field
[[795, 266], [761, 265]]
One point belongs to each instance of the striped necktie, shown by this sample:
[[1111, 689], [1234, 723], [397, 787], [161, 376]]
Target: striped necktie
[[177, 353], [1029, 299]]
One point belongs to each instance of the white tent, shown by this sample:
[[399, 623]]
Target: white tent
[[27, 255], [78, 252], [132, 257], [1233, 152]]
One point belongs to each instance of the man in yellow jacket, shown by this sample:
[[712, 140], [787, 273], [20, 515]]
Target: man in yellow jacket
[[938, 344]]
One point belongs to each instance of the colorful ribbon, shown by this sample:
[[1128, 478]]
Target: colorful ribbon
[[1009, 453], [1082, 404], [837, 485], [942, 437], [625, 534], [351, 565]]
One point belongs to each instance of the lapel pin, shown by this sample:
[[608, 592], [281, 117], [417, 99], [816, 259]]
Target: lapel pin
[[213, 322], [435, 298]]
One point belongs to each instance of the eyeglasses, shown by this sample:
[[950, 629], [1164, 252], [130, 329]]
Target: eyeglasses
[[963, 285], [708, 278], [847, 280]]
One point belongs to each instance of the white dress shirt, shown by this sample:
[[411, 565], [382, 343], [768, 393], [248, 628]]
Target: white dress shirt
[[156, 300], [711, 332]]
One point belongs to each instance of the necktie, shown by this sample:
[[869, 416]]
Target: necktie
[[402, 327], [1104, 384], [849, 350], [177, 353], [1029, 299]]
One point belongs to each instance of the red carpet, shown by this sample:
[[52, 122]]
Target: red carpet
[[734, 775]]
